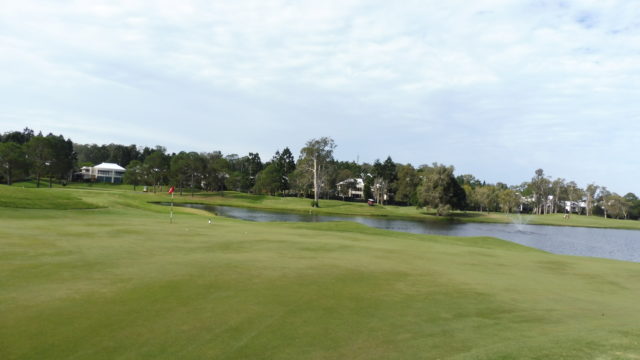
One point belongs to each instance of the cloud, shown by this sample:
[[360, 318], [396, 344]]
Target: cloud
[[484, 85]]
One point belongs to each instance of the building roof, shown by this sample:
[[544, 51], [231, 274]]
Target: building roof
[[109, 166], [358, 181]]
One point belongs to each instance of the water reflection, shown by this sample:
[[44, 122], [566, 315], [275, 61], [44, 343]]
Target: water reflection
[[605, 243]]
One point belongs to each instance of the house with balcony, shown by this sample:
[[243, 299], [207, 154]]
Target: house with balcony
[[352, 188], [105, 172]]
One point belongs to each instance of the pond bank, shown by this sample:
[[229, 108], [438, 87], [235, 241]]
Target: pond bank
[[578, 241]]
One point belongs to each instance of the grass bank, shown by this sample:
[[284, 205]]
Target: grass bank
[[119, 281]]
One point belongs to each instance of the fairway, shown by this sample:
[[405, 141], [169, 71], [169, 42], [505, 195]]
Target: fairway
[[98, 274]]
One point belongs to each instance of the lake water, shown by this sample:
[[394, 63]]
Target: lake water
[[603, 243]]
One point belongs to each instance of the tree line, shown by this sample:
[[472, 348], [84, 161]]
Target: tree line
[[316, 174], [26, 154], [546, 195]]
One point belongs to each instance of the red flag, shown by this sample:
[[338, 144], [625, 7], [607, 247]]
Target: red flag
[[172, 190]]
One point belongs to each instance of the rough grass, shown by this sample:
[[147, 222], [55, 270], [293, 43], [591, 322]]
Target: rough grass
[[121, 282]]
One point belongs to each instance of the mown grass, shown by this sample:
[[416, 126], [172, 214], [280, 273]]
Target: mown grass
[[121, 282]]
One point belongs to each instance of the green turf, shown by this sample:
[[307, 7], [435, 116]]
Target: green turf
[[120, 282], [44, 183], [30, 198]]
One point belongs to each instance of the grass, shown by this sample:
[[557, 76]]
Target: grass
[[29, 198], [336, 207], [120, 282], [44, 183]]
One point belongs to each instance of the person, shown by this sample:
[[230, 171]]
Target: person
[[209, 220]]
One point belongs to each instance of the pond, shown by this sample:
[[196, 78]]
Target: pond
[[580, 241]]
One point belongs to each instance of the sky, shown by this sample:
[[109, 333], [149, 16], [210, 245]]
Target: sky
[[495, 88]]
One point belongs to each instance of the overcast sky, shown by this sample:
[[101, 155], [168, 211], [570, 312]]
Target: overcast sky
[[495, 88]]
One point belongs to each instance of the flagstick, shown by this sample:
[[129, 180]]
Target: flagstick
[[171, 215]]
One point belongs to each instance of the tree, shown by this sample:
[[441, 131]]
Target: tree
[[243, 171], [634, 205], [12, 160], [468, 179], [314, 158], [216, 171], [557, 189], [122, 155], [251, 166], [91, 153], [605, 197], [180, 169], [591, 191], [18, 137], [385, 170], [366, 191], [285, 164], [301, 181], [195, 168], [233, 181], [574, 193], [344, 174], [440, 190], [380, 189], [486, 197], [157, 167], [39, 155], [187, 166], [472, 199], [384, 175], [618, 206], [407, 184], [285, 161], [268, 180], [342, 167], [509, 200], [134, 174], [328, 180], [62, 158], [540, 185]]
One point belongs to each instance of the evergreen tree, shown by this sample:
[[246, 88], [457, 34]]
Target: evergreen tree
[[12, 160]]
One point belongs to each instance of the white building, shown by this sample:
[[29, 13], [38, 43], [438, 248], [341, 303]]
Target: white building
[[578, 207], [353, 188], [105, 172]]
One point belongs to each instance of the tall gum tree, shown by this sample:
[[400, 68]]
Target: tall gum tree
[[590, 193], [314, 157]]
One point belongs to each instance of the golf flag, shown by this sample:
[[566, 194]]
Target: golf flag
[[171, 190]]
